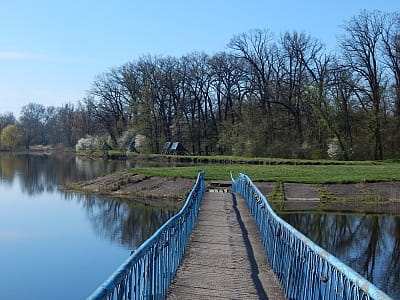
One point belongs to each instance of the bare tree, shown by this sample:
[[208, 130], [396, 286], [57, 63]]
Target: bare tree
[[67, 124], [301, 56], [360, 47], [7, 119], [227, 84], [109, 106], [32, 123], [198, 111], [391, 51], [254, 48]]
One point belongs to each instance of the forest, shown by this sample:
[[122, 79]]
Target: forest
[[267, 95]]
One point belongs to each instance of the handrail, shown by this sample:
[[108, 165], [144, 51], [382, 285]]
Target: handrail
[[305, 270], [148, 271]]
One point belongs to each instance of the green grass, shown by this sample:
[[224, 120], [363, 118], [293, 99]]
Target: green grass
[[347, 173], [235, 159], [325, 195], [277, 196]]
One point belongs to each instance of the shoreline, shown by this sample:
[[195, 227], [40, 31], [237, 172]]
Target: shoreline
[[126, 185], [203, 159], [172, 192]]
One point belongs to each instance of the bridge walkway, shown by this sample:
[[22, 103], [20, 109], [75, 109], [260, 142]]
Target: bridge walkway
[[225, 258]]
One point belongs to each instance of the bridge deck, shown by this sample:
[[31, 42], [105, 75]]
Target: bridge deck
[[225, 258]]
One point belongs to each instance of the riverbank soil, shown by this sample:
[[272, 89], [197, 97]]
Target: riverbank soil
[[377, 197], [156, 191]]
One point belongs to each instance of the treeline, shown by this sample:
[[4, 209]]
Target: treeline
[[40, 125], [267, 95]]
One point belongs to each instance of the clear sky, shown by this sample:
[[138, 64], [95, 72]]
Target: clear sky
[[51, 51]]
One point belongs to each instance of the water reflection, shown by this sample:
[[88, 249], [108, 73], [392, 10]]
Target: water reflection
[[368, 244], [39, 224], [40, 173], [128, 223]]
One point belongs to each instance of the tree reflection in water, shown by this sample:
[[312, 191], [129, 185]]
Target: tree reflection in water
[[40, 173], [368, 244], [127, 223]]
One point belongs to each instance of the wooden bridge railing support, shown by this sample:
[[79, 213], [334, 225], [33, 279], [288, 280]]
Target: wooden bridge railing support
[[148, 272], [305, 270]]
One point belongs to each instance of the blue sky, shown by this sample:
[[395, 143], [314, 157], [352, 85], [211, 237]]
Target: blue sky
[[51, 51]]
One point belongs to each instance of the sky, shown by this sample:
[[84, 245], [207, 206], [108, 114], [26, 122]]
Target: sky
[[51, 51]]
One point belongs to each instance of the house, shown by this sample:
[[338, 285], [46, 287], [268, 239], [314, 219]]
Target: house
[[175, 148]]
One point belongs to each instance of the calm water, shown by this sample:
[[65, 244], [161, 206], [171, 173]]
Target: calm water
[[58, 245], [369, 244]]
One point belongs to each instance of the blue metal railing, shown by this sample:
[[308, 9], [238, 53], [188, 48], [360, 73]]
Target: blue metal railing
[[148, 272], [305, 270]]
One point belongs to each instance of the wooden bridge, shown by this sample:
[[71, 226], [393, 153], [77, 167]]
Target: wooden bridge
[[225, 258]]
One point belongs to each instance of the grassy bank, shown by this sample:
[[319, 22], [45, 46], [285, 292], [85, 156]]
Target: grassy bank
[[303, 173], [225, 159], [269, 169]]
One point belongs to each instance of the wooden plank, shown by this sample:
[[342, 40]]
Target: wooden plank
[[225, 258]]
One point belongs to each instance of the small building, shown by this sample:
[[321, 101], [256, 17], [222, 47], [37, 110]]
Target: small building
[[175, 148]]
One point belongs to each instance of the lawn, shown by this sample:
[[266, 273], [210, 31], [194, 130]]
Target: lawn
[[302, 173]]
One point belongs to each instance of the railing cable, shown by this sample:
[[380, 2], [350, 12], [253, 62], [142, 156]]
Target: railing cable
[[305, 270], [149, 270]]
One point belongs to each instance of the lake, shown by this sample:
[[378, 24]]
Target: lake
[[368, 244], [60, 245]]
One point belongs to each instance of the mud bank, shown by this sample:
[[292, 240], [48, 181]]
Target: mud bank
[[156, 191]]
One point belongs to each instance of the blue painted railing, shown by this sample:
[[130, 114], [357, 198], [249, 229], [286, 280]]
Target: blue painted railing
[[148, 272], [305, 270]]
